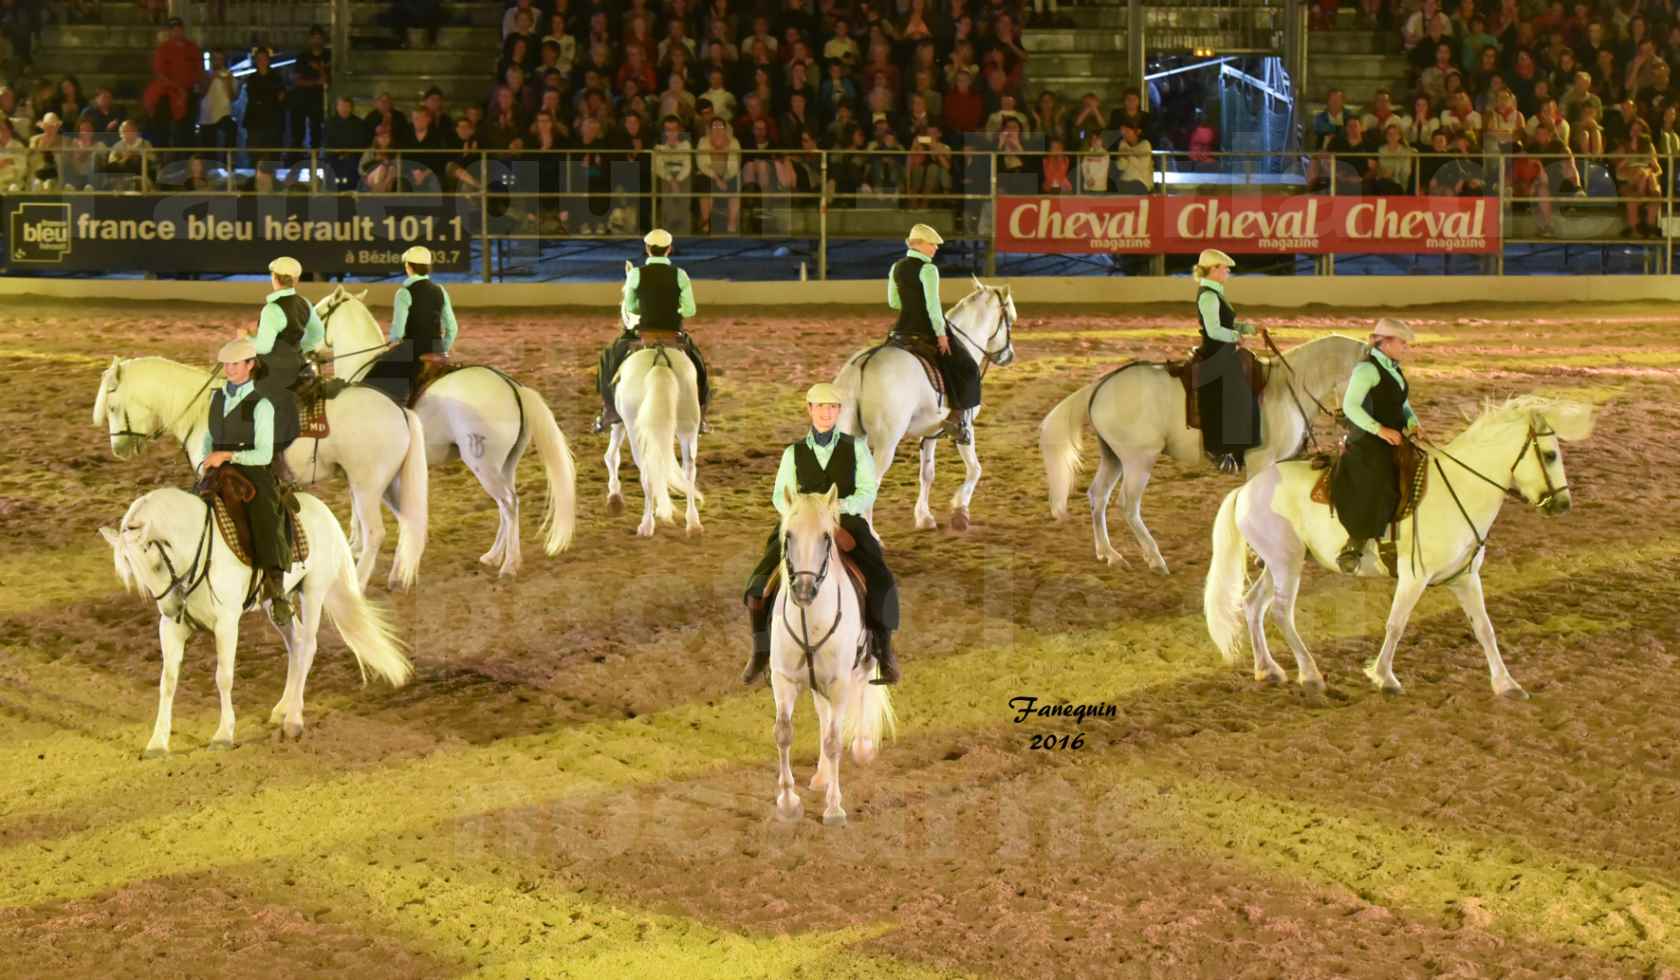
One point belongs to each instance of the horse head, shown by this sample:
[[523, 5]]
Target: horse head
[[994, 320], [808, 549], [130, 421], [1538, 471]]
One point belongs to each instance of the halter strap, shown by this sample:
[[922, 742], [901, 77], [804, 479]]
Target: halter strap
[[807, 648]]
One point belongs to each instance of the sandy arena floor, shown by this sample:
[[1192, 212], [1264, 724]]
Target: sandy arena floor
[[575, 785]]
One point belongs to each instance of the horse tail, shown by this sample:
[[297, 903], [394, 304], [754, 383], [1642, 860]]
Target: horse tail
[[656, 435], [1061, 438], [872, 719], [365, 625], [850, 383], [1226, 579], [560, 513], [412, 505]]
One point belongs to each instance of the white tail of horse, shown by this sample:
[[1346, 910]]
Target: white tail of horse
[[560, 512], [870, 721], [412, 506], [365, 627], [1061, 439], [656, 437], [1227, 578]]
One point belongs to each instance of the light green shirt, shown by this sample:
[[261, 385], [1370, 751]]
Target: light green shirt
[[1208, 306], [863, 477], [273, 320], [399, 314], [261, 452], [930, 291], [685, 289], [1365, 378]]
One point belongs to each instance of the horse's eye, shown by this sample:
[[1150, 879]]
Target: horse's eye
[[1549, 456]]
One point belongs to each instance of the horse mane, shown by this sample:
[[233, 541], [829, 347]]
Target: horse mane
[[807, 506], [1312, 367], [1571, 420]]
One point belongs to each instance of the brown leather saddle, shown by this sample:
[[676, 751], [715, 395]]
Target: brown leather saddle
[[658, 338], [1187, 371], [432, 368], [1412, 464], [227, 492]]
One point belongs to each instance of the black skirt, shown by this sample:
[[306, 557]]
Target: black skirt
[[1366, 487]]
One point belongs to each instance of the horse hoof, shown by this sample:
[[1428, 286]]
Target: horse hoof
[[959, 520], [155, 754], [220, 745], [615, 504], [790, 810], [293, 730], [1270, 678], [834, 819], [1514, 693], [489, 558], [1159, 569], [276, 716], [694, 529]]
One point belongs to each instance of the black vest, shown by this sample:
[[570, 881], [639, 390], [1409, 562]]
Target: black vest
[[237, 432], [1387, 401], [912, 298], [424, 326], [1227, 318], [658, 295], [296, 309], [841, 472]]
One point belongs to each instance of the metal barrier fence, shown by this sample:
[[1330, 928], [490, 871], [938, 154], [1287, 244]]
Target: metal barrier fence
[[498, 203]]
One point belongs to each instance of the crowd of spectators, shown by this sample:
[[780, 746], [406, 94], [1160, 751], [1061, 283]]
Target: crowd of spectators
[[1543, 94]]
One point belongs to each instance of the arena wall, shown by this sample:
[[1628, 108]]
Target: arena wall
[[1254, 291]]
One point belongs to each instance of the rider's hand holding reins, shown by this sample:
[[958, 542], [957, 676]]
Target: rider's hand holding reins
[[1390, 436], [216, 459], [945, 344]]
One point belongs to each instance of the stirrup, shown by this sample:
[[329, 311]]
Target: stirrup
[[1227, 463], [1351, 557]]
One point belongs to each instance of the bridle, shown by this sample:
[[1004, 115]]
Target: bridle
[[183, 584], [1508, 488], [129, 431], [807, 648], [989, 356]]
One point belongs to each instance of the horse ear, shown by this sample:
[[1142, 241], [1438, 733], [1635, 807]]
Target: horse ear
[[832, 498], [116, 368], [977, 283], [110, 537], [361, 296], [788, 496]]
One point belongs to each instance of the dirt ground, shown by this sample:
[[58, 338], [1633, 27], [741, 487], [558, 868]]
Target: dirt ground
[[575, 785]]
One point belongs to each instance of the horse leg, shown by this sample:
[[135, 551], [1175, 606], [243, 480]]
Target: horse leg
[[278, 714], [883, 453], [615, 492], [690, 443], [364, 505], [833, 723], [1255, 604], [646, 527], [788, 804], [1406, 596], [1137, 470], [173, 637], [924, 513], [491, 479], [1101, 488], [513, 552], [302, 643], [1286, 587], [227, 644], [965, 493], [1468, 589]]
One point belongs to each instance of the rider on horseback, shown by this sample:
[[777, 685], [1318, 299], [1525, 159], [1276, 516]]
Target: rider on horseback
[[1367, 480], [913, 290], [661, 295], [1227, 433], [241, 435], [422, 326], [828, 458], [286, 330]]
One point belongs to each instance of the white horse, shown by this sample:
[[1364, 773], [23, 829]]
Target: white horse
[[816, 641], [1137, 411], [893, 399], [657, 396], [169, 548], [379, 447], [1511, 448], [480, 415]]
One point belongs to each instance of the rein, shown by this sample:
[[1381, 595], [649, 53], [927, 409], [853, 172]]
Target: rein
[[183, 585], [803, 637], [1532, 441], [989, 357], [144, 437], [1306, 419]]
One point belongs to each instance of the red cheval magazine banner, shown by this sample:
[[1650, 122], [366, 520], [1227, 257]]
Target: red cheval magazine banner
[[1304, 223]]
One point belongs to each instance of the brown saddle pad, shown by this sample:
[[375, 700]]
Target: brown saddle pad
[[1413, 465], [1187, 372], [432, 367], [658, 338], [227, 495], [312, 398]]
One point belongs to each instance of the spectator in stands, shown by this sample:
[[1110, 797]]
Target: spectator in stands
[[1134, 161], [886, 165], [1433, 79], [1353, 151], [378, 164], [14, 159], [1431, 160], [673, 165], [199, 178], [676, 100], [1580, 94], [79, 162], [265, 98], [929, 168], [1503, 125], [463, 173], [1589, 135], [1639, 178], [1094, 165], [1005, 112], [216, 126], [1396, 162], [1462, 176], [1474, 42], [1203, 142], [632, 174], [1422, 124], [130, 155], [637, 66], [916, 118], [1552, 117], [504, 125], [756, 151], [718, 177], [1382, 114], [44, 150], [105, 115], [1462, 117], [848, 167], [385, 115], [838, 132], [565, 44], [520, 10], [518, 54], [1427, 52], [1331, 119], [1420, 22], [1667, 137], [797, 120], [588, 168], [840, 48], [754, 111], [1608, 81], [348, 135], [1529, 177], [306, 101], [965, 107], [1618, 122], [1054, 169], [718, 95], [177, 68], [543, 151]]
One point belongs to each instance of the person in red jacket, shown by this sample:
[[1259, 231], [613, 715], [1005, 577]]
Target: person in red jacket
[[177, 70], [965, 110]]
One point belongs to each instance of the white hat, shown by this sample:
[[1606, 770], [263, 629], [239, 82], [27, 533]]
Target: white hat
[[285, 265], [51, 119], [1390, 327], [1212, 257], [234, 351], [924, 233], [823, 393], [658, 238], [418, 255]]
